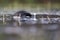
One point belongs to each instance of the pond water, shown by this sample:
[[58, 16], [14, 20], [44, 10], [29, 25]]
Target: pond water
[[29, 31]]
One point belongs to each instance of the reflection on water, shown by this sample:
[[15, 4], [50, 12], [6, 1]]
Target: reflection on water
[[29, 31]]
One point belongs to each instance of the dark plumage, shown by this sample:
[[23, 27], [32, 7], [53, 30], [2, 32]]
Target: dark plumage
[[23, 13]]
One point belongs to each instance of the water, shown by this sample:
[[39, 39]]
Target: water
[[29, 31]]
